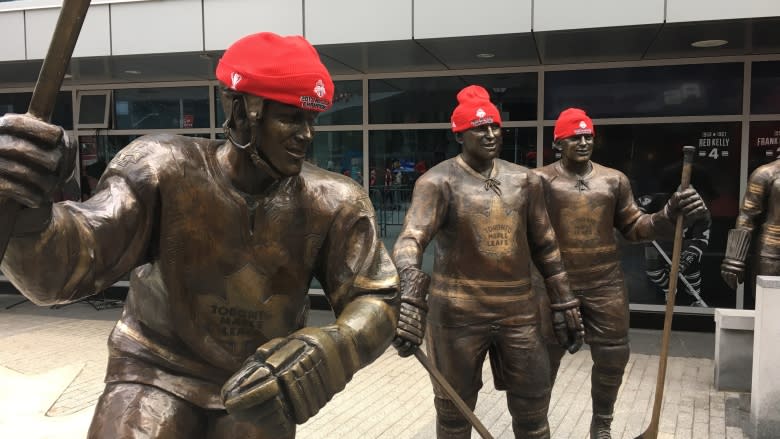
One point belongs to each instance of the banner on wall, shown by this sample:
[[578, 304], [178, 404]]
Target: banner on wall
[[764, 143], [714, 144]]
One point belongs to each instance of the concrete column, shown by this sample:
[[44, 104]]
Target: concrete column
[[765, 398], [733, 349]]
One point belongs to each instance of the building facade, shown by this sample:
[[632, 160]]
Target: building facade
[[654, 74]]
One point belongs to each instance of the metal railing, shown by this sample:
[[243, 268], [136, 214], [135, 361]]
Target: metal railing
[[391, 204]]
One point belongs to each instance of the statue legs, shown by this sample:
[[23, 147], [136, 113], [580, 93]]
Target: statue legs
[[520, 366], [609, 363]]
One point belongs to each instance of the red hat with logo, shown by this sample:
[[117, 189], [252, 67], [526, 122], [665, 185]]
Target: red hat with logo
[[474, 109], [573, 122], [283, 69]]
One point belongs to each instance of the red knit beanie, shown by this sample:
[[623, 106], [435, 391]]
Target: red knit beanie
[[573, 122], [283, 69], [474, 109]]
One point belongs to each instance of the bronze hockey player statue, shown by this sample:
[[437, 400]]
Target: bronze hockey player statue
[[489, 220], [223, 239], [760, 210], [587, 202]]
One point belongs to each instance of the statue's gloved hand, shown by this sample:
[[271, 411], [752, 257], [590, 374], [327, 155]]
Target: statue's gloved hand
[[414, 308], [732, 273], [732, 269], [688, 203], [567, 320], [35, 159], [287, 380], [568, 328]]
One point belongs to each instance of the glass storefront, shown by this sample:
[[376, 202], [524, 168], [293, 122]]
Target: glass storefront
[[407, 132], [18, 103], [399, 101], [161, 108], [765, 88], [687, 90]]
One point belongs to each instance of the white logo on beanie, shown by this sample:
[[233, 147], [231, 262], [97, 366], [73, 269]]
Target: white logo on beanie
[[481, 113], [583, 124], [319, 88], [235, 78]]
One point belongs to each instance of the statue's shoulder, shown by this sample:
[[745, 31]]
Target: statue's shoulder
[[547, 173], [329, 187], [767, 172], [161, 149]]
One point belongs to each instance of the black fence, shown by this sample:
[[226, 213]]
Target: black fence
[[391, 204]]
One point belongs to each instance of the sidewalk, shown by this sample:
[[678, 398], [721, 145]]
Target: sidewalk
[[52, 364]]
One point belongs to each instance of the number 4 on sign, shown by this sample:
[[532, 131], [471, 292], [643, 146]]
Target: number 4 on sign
[[713, 153]]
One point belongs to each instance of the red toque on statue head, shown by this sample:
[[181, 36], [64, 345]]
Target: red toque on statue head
[[474, 109], [283, 69], [573, 122]]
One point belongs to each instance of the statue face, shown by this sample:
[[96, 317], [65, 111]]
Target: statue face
[[285, 134], [482, 143], [576, 149]]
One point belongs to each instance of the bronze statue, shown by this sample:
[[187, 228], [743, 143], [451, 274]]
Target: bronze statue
[[223, 239], [760, 208], [489, 220], [587, 202]]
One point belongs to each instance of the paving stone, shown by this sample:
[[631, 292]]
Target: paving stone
[[391, 398]]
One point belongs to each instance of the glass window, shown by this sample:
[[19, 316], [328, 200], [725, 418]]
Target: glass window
[[519, 146], [161, 108], [347, 105], [651, 157], [765, 93], [764, 144], [396, 159], [702, 89], [340, 152], [18, 103], [430, 100]]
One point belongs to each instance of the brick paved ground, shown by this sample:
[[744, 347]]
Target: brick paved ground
[[52, 364]]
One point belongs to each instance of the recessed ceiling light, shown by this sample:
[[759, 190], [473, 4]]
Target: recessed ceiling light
[[485, 55], [709, 43], [133, 72]]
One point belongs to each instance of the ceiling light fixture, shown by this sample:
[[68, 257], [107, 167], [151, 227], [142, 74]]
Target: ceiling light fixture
[[485, 55], [709, 43], [133, 72]]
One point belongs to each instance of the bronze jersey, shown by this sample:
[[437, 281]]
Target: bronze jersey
[[585, 211], [219, 272], [485, 236], [761, 204]]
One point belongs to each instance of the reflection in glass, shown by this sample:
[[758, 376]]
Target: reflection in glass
[[18, 103], [428, 100], [161, 108], [651, 156], [396, 159], [340, 152], [702, 89], [765, 93], [347, 105], [519, 146]]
